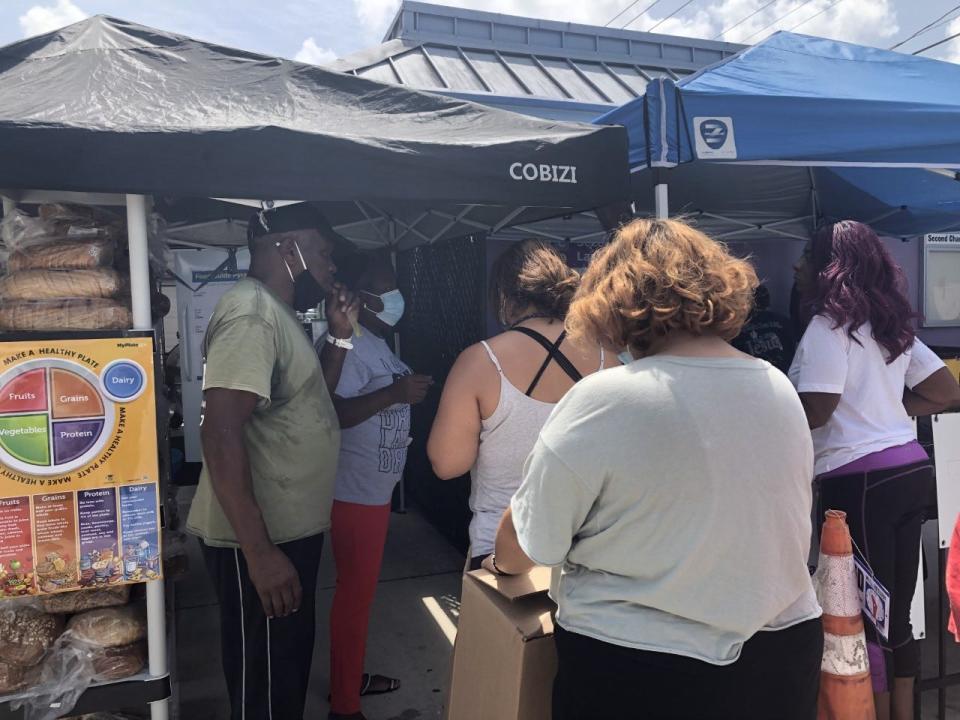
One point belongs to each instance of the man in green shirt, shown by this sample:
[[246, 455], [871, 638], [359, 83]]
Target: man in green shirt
[[270, 443]]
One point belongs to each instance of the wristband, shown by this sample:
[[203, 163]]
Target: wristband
[[339, 342], [496, 570]]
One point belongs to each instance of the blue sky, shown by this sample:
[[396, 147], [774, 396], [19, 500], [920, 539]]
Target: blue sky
[[320, 30]]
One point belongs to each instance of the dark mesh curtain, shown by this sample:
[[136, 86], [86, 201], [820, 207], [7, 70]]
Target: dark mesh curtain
[[445, 289]]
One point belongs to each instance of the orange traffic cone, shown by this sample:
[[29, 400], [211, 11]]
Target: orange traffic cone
[[846, 692]]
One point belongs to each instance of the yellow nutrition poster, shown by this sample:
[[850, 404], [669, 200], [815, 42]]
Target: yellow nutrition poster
[[79, 500]]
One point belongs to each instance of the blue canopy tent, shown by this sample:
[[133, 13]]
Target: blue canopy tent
[[797, 130]]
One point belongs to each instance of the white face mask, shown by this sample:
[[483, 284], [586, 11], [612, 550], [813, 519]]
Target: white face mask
[[626, 357], [393, 306]]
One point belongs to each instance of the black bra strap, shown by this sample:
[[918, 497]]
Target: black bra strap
[[553, 354]]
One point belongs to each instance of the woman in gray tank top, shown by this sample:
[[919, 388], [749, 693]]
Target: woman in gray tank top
[[501, 391]]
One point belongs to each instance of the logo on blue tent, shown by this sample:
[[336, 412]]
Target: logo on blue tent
[[714, 133], [714, 138]]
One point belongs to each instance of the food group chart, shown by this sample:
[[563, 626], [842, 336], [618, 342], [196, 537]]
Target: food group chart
[[79, 502]]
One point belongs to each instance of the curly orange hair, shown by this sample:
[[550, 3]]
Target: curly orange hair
[[656, 277]]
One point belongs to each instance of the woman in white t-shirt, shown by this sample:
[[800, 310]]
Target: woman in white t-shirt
[[675, 493], [861, 374]]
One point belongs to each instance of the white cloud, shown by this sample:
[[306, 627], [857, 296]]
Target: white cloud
[[376, 14], [312, 53], [949, 51], [42, 19], [869, 22]]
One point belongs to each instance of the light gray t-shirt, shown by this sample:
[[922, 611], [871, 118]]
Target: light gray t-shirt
[[373, 453], [676, 494]]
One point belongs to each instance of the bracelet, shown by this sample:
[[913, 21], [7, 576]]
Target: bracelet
[[493, 562], [340, 342]]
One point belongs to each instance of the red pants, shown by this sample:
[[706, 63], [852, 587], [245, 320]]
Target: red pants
[[359, 533]]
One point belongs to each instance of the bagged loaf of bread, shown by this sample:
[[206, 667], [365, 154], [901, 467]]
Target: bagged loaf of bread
[[109, 627], [90, 314], [82, 600], [116, 663], [26, 634], [80, 221], [66, 255], [12, 678], [61, 284]]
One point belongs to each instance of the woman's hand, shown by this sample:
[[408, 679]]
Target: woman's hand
[[511, 559], [411, 389]]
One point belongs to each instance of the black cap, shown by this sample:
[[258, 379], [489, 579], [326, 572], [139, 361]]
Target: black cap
[[290, 218]]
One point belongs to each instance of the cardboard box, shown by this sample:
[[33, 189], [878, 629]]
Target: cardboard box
[[504, 661]]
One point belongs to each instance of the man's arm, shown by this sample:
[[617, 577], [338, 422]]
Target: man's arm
[[225, 453], [331, 360], [342, 309]]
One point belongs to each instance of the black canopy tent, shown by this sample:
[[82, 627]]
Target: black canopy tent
[[109, 112], [107, 106]]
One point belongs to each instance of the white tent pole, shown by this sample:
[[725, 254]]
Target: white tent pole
[[140, 292], [8, 206], [661, 197], [139, 261]]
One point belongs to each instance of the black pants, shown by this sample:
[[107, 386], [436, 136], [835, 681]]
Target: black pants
[[266, 662], [776, 678], [885, 511]]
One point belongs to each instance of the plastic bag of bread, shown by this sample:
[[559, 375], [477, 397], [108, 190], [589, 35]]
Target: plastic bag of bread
[[73, 219], [90, 314], [55, 685], [12, 678], [81, 221], [66, 255], [69, 603], [117, 663], [109, 627], [61, 284], [58, 223], [26, 633], [20, 230]]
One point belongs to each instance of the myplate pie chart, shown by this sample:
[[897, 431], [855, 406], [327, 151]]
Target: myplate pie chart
[[57, 415]]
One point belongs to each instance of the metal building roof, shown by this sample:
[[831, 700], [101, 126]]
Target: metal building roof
[[539, 67]]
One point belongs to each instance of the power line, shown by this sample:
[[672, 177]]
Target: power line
[[938, 43], [944, 22], [926, 27], [833, 4], [641, 13], [779, 19], [609, 22], [651, 29], [755, 12]]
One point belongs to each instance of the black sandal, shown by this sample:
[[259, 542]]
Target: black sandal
[[392, 684], [367, 680]]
